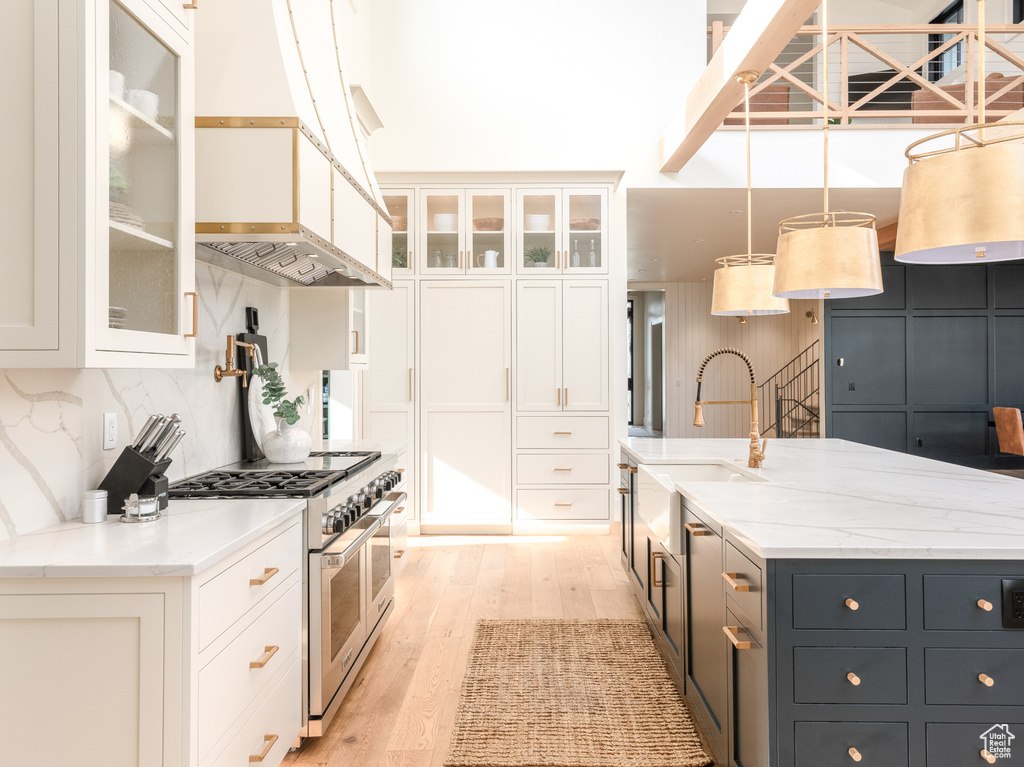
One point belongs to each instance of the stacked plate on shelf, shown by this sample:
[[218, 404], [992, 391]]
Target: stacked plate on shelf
[[445, 222], [117, 317], [538, 222]]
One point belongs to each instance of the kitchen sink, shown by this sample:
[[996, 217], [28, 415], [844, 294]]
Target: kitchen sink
[[704, 472]]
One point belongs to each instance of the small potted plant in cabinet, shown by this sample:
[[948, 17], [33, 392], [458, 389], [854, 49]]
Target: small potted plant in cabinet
[[539, 256]]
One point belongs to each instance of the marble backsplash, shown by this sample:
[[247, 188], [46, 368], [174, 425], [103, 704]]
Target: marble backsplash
[[51, 420]]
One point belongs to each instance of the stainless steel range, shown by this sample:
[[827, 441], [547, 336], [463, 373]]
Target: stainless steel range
[[347, 580]]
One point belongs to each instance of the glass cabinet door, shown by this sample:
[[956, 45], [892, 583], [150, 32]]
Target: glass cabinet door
[[140, 279], [540, 222], [489, 223], [442, 250], [401, 204], [586, 214]]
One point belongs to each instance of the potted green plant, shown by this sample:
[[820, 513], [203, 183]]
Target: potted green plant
[[539, 255], [398, 258], [287, 444], [118, 184]]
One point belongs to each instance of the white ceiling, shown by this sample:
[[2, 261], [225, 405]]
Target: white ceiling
[[663, 226]]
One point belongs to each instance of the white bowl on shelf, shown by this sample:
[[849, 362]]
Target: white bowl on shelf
[[538, 222], [445, 222]]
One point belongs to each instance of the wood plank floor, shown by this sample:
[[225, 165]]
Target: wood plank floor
[[400, 711]]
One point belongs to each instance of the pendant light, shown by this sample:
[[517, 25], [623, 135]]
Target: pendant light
[[832, 254], [743, 284], [961, 201]]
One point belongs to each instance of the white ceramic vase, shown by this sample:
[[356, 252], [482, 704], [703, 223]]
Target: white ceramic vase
[[287, 444]]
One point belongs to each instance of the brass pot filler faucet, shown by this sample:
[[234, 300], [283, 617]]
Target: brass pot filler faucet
[[756, 450]]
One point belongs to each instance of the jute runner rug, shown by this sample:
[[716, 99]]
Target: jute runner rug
[[570, 693]]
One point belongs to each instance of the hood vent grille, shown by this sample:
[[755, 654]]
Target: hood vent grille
[[276, 257]]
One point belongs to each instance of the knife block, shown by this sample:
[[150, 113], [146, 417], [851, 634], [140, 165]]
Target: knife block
[[131, 473]]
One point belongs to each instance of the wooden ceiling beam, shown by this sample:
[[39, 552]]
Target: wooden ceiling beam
[[757, 37]]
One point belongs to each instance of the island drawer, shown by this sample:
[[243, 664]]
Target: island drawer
[[570, 503], [960, 745], [850, 675], [233, 592], [230, 682], [958, 602], [848, 602], [974, 677], [562, 469], [561, 431], [840, 744], [743, 583]]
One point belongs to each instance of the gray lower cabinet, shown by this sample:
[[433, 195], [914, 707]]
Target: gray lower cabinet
[[822, 663]]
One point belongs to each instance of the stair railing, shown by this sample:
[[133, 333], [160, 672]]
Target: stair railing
[[789, 399]]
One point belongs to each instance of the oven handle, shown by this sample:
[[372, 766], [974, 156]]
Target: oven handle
[[337, 561], [395, 498]]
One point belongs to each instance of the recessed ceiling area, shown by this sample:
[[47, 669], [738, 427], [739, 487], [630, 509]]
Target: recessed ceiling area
[[675, 235]]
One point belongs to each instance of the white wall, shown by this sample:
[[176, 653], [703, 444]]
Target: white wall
[[51, 420]]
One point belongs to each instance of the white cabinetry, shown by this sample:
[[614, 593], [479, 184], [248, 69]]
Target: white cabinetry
[[328, 329], [156, 672], [562, 231], [465, 442], [99, 186], [465, 232]]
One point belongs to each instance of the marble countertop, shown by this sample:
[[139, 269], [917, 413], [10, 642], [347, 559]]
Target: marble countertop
[[189, 537], [836, 499], [395, 446]]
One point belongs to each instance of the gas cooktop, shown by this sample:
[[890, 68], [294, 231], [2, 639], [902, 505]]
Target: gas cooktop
[[262, 479]]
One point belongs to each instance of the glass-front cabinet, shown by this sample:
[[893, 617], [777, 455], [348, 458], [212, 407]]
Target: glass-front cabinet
[[489, 223], [144, 261], [562, 231], [401, 205], [442, 241]]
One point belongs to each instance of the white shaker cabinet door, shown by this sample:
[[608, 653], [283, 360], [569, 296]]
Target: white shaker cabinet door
[[466, 460], [585, 345], [538, 345]]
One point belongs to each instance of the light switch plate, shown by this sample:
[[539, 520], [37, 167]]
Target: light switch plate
[[109, 431]]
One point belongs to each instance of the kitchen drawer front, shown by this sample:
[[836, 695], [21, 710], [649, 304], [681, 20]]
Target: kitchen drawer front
[[849, 602], [952, 677], [951, 602], [230, 595], [570, 503], [822, 675], [960, 745], [561, 431], [279, 715], [829, 744], [741, 574], [228, 684], [564, 469]]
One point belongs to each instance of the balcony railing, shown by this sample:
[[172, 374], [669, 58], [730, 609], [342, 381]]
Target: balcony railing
[[887, 76]]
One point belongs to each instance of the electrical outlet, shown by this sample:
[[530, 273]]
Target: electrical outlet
[[853, 386], [109, 431], [1013, 603]]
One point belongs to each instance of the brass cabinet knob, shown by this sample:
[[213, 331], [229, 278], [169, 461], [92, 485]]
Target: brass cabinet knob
[[853, 604], [854, 754], [986, 680], [623, 491], [985, 605], [988, 756], [854, 679], [622, 465]]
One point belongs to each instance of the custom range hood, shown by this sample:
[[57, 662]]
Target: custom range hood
[[284, 189]]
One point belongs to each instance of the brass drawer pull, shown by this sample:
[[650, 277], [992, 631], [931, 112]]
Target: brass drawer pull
[[854, 679], [854, 754], [622, 465], [270, 651], [655, 583], [730, 578], [268, 573], [986, 680], [400, 471], [563, 469], [195, 301], [357, 342], [853, 604], [558, 394], [695, 530], [268, 743], [567, 396], [400, 554], [567, 433], [733, 633], [633, 469], [988, 756], [623, 491], [985, 605], [191, 6], [563, 504]]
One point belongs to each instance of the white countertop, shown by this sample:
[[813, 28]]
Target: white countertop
[[837, 499], [394, 446], [189, 537]]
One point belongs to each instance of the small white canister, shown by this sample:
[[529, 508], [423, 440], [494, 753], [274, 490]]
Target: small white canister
[[94, 506]]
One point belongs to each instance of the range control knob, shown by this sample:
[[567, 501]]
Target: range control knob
[[379, 488], [340, 524]]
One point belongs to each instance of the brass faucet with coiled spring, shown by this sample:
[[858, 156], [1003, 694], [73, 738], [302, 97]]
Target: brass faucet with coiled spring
[[757, 448]]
